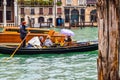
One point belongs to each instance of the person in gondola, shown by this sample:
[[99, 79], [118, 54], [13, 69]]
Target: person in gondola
[[36, 42], [41, 39], [68, 41], [23, 33], [48, 42]]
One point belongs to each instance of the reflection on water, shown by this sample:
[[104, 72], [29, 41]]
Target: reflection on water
[[71, 66]]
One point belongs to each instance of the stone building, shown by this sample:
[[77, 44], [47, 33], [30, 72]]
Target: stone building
[[8, 12], [55, 12], [38, 12], [78, 11]]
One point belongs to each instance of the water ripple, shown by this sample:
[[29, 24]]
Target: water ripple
[[67, 67]]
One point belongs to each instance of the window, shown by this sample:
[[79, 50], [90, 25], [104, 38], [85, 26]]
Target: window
[[82, 15], [67, 15], [82, 2], [22, 10], [1, 16], [50, 20], [93, 17], [50, 11], [59, 11], [8, 15], [68, 1], [41, 19], [22, 19], [32, 11], [9, 3], [1, 3], [41, 10]]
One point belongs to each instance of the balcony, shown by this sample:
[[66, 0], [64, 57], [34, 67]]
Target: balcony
[[35, 3]]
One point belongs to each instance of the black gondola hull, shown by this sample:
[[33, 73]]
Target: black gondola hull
[[57, 50]]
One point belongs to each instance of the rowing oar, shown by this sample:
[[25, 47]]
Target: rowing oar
[[18, 47]]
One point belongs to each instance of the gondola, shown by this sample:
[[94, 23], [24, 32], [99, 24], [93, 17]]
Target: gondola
[[79, 47]]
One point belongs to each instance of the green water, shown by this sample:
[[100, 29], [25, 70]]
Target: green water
[[84, 34], [70, 66]]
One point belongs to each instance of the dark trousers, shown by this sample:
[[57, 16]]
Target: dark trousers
[[24, 42]]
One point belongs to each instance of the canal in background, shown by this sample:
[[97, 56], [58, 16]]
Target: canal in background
[[71, 66]]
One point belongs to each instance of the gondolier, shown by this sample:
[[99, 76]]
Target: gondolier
[[23, 33]]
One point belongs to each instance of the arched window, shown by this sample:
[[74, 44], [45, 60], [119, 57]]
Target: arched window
[[67, 15], [50, 20], [74, 16], [40, 19], [82, 14], [93, 17]]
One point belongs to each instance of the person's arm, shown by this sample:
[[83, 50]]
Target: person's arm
[[23, 31]]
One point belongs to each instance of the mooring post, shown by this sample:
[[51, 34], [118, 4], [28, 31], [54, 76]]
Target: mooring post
[[109, 39]]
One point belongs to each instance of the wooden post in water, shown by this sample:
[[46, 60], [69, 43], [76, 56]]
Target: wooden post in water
[[109, 39]]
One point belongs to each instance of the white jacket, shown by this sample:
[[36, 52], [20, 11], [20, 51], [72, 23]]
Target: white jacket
[[35, 42]]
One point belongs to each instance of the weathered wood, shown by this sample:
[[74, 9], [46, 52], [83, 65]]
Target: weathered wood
[[109, 39]]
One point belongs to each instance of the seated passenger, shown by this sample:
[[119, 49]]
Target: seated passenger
[[68, 41], [41, 40], [34, 42], [48, 42]]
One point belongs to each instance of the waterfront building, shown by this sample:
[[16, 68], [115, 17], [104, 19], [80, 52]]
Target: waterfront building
[[39, 13], [79, 11], [8, 12]]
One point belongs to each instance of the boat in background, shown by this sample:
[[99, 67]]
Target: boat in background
[[12, 35]]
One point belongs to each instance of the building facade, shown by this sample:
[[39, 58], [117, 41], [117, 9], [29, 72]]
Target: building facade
[[8, 12], [55, 12], [78, 11], [38, 12]]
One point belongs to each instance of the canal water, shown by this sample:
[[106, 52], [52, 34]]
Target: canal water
[[70, 66]]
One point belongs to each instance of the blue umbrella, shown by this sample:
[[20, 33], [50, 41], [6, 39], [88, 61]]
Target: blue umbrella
[[67, 32]]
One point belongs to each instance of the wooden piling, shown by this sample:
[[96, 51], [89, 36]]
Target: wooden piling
[[109, 39]]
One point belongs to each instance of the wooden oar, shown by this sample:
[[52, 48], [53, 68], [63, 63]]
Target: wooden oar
[[18, 47]]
